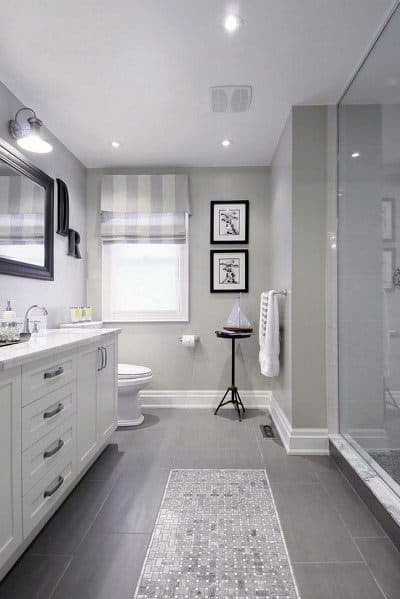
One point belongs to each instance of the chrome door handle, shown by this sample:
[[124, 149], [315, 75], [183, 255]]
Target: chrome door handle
[[105, 356], [50, 452], [54, 412], [49, 492], [53, 373], [100, 349]]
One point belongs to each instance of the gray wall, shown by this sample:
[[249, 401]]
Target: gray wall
[[156, 344], [68, 287], [298, 229], [280, 222]]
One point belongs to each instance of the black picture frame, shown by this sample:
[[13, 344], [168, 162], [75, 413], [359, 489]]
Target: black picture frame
[[229, 239], [234, 253], [15, 160]]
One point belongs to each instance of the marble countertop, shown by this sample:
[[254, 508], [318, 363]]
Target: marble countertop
[[46, 343]]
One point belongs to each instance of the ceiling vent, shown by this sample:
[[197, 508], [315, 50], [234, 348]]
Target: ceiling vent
[[230, 98]]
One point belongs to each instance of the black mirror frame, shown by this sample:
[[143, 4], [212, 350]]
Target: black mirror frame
[[18, 162]]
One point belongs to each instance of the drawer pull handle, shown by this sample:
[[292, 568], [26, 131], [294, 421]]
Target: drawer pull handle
[[53, 373], [54, 412], [50, 492], [50, 452]]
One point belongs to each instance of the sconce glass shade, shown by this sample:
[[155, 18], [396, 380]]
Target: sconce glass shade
[[29, 138]]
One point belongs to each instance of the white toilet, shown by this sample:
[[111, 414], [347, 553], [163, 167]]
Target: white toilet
[[131, 380]]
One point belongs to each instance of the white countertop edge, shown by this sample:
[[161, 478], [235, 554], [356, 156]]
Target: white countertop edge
[[37, 348]]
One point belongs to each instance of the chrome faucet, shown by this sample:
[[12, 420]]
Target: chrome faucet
[[26, 330]]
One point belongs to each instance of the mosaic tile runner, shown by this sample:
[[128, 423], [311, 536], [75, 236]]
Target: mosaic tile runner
[[217, 536]]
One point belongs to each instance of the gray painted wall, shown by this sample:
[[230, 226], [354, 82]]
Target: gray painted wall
[[280, 222], [298, 229], [68, 287], [156, 344]]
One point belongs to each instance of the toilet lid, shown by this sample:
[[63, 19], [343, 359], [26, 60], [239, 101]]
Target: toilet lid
[[131, 371]]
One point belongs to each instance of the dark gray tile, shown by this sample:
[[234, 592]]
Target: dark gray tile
[[134, 501], [384, 561], [357, 517], [312, 527], [145, 449], [106, 566], [70, 524], [218, 446], [335, 581], [107, 465], [34, 577]]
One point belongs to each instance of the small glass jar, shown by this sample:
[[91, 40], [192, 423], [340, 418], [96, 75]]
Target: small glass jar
[[74, 314], [89, 313], [9, 331], [83, 317]]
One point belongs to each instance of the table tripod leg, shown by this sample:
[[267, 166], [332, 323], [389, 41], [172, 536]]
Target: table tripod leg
[[240, 401], [221, 402]]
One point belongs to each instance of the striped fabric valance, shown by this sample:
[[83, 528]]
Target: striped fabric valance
[[144, 208], [22, 205]]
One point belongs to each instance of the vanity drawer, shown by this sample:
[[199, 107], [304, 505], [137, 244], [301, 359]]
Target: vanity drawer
[[48, 412], [41, 498], [47, 375], [47, 453]]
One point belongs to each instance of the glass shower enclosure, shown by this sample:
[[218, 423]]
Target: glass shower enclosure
[[369, 257]]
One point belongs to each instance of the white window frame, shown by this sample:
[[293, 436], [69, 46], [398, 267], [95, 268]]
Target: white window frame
[[158, 315]]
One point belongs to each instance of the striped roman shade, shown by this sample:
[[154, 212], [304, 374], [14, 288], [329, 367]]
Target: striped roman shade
[[22, 204], [144, 208]]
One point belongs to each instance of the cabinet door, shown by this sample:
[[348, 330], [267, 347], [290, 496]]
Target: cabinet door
[[108, 389], [10, 463], [87, 419]]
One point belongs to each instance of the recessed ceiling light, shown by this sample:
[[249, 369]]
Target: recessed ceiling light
[[232, 23], [115, 144], [355, 155], [226, 142]]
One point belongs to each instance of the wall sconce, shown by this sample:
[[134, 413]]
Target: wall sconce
[[28, 134]]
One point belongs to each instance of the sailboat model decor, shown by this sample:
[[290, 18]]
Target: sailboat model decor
[[237, 321]]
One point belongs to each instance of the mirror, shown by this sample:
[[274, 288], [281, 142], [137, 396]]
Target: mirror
[[26, 217]]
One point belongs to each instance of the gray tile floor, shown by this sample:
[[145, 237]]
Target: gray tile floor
[[94, 546]]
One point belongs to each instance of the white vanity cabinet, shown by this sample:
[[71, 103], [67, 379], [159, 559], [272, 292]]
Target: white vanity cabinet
[[97, 383], [10, 463], [57, 412]]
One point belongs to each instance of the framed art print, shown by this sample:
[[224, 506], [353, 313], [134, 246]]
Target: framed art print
[[229, 222], [229, 271]]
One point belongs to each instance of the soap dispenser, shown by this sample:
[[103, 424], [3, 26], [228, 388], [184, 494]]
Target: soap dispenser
[[9, 315]]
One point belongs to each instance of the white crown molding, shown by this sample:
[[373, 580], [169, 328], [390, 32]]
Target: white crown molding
[[298, 441], [188, 398]]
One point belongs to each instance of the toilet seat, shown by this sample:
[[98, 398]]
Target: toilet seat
[[133, 371]]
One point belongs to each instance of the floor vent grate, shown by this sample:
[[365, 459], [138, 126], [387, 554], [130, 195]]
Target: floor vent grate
[[267, 431]]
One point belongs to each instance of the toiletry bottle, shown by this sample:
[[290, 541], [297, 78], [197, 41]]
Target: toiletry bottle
[[9, 315]]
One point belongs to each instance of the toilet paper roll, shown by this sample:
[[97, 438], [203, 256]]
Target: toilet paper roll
[[189, 340]]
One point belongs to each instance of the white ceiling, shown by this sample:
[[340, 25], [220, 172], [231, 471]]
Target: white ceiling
[[138, 71]]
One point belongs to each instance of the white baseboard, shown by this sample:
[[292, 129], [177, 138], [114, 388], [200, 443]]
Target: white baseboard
[[299, 441], [200, 398]]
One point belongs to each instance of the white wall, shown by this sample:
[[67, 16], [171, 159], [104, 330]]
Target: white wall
[[68, 287], [156, 344]]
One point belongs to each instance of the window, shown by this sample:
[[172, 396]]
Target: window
[[144, 224], [145, 281]]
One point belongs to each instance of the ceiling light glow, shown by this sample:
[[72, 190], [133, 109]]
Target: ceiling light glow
[[28, 134], [355, 155], [226, 142], [232, 23], [115, 144]]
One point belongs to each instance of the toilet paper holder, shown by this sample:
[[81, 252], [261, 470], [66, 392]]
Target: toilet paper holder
[[196, 338]]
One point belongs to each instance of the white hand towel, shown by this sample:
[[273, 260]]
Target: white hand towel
[[269, 334]]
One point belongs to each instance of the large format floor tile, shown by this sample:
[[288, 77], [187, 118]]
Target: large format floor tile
[[107, 566], [336, 581], [383, 560], [34, 577], [313, 529]]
